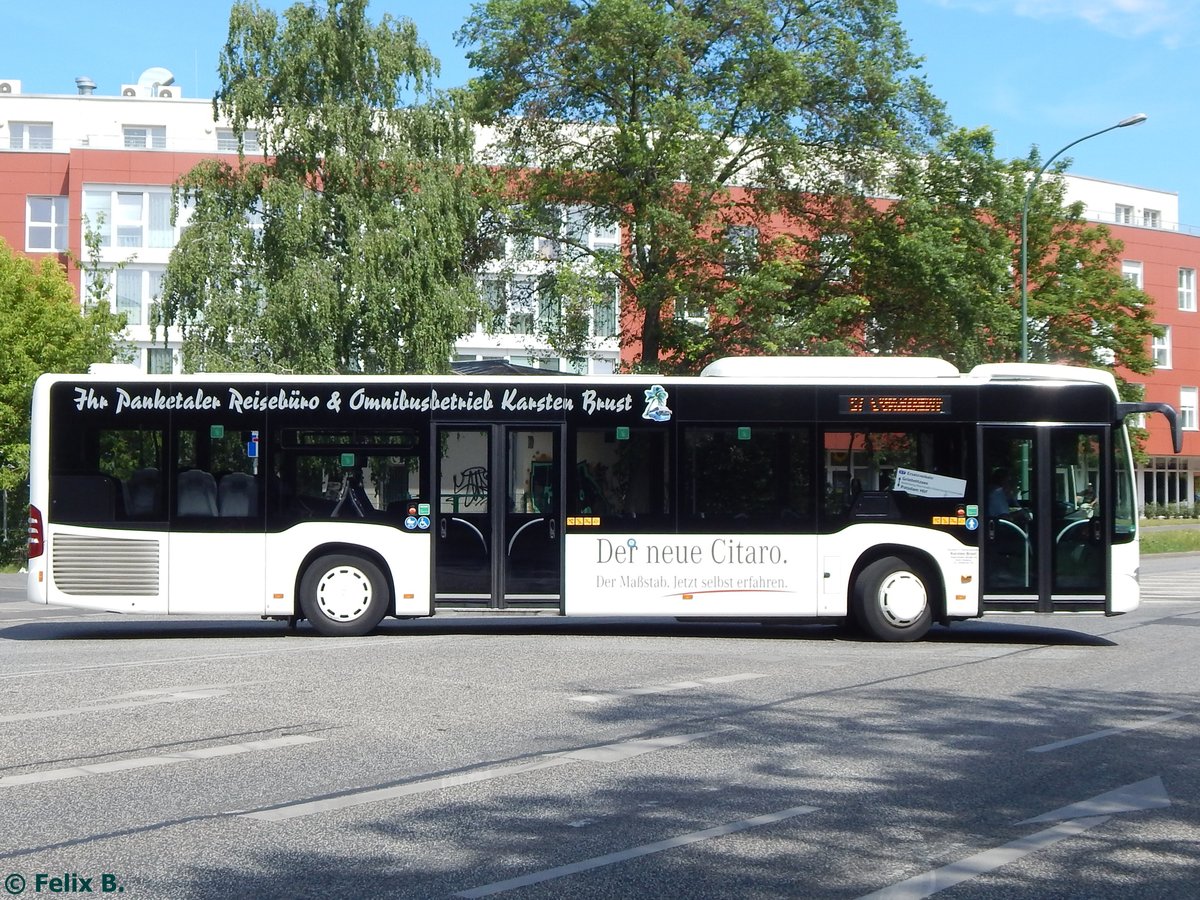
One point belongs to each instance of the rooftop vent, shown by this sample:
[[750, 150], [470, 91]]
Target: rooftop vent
[[85, 85], [154, 82]]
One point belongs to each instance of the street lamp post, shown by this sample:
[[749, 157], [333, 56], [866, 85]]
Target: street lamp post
[[1132, 120]]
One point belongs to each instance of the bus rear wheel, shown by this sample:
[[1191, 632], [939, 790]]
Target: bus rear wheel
[[343, 595], [892, 600]]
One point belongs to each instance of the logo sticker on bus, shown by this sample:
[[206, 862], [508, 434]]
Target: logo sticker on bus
[[656, 405]]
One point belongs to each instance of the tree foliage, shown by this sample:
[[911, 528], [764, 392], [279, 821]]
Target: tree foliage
[[940, 266], [656, 115], [41, 330], [348, 246]]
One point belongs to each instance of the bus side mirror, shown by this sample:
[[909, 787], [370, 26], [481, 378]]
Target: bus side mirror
[[1134, 409]]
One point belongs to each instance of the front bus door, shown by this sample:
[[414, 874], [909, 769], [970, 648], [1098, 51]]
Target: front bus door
[[1046, 530], [498, 526]]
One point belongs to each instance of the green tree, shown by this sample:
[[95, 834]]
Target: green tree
[[349, 246], [661, 115], [939, 266], [41, 330], [1082, 309]]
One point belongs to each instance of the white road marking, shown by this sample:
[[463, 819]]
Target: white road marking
[[596, 862], [604, 754], [164, 759], [1150, 793], [629, 749], [1107, 732], [361, 798], [161, 698], [1083, 816], [378, 642], [928, 883], [665, 688]]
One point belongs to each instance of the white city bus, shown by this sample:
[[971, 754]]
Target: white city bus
[[895, 492]]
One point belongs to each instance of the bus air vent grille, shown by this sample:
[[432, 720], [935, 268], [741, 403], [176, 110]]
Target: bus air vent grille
[[82, 564]]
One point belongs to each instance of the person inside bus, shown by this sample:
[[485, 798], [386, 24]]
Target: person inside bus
[[1000, 499]]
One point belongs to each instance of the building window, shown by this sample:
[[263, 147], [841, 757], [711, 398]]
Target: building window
[[1138, 420], [145, 137], [1187, 290], [1187, 408], [133, 290], [1151, 218], [1123, 215], [1160, 348], [604, 312], [160, 361], [138, 219], [227, 141], [1132, 272], [741, 249], [30, 136], [45, 224], [835, 257], [522, 303]]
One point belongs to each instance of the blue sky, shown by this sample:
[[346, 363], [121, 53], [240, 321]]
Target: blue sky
[[1041, 72]]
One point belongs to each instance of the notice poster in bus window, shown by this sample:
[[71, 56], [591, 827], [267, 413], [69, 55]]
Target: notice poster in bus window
[[928, 484]]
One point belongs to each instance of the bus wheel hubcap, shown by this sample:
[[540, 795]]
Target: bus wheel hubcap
[[902, 598], [344, 593]]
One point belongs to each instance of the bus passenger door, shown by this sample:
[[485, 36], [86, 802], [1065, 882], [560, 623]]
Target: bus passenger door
[[1045, 544], [531, 558], [498, 528]]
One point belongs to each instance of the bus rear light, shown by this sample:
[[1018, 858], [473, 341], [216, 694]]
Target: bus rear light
[[36, 543]]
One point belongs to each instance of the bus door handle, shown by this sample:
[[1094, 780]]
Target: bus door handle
[[442, 527], [553, 529]]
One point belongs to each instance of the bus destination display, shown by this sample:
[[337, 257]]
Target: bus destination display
[[894, 404]]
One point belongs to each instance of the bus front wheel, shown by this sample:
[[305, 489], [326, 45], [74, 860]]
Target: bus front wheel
[[891, 601], [343, 595]]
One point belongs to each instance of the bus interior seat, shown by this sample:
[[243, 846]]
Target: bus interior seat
[[237, 495], [142, 493], [353, 502], [197, 493]]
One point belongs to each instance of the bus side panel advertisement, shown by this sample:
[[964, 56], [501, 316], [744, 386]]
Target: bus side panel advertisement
[[690, 575]]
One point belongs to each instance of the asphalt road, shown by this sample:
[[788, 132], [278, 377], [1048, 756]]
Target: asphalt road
[[1011, 757]]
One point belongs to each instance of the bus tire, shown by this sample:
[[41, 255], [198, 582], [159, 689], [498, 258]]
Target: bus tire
[[891, 600], [343, 595]]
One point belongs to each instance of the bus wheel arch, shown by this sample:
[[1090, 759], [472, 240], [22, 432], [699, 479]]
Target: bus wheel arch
[[895, 594], [344, 591]]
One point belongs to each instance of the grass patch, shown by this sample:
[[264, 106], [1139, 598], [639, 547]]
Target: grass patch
[[1170, 540]]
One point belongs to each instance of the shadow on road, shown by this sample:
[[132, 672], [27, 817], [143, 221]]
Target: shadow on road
[[986, 633]]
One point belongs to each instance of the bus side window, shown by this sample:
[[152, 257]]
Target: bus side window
[[218, 475], [620, 478], [747, 477], [102, 474]]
